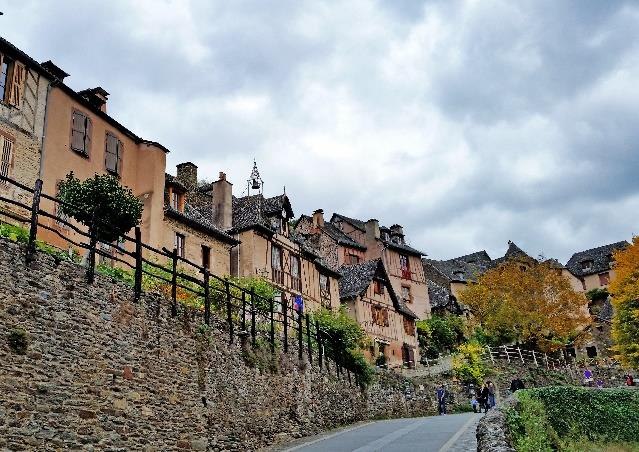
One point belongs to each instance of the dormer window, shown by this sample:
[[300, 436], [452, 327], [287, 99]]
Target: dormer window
[[176, 199], [586, 265], [459, 275]]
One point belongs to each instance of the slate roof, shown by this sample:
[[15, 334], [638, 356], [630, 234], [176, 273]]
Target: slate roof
[[192, 217], [606, 311], [458, 269], [342, 239], [513, 252], [361, 225], [356, 279], [601, 258], [313, 252], [439, 296]]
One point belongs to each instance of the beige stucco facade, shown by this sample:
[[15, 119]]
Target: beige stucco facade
[[589, 282], [142, 162]]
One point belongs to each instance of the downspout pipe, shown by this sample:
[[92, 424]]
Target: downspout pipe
[[52, 85]]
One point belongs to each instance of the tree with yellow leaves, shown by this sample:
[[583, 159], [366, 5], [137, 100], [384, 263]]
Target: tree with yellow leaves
[[625, 300], [529, 302]]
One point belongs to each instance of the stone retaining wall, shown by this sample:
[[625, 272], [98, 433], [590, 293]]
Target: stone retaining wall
[[492, 430], [101, 373]]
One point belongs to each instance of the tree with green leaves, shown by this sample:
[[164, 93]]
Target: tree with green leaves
[[440, 334], [102, 199]]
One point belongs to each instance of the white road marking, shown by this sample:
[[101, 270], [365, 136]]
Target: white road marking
[[451, 442]]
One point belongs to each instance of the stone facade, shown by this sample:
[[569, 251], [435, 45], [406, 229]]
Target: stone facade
[[101, 373]]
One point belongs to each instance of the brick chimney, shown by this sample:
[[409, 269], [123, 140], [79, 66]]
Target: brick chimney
[[318, 218], [222, 202], [187, 175], [372, 231]]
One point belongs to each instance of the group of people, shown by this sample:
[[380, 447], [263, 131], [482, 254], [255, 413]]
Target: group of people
[[484, 397]]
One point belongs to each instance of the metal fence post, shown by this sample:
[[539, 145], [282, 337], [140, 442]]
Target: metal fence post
[[174, 258], [272, 338], [229, 315], [285, 319], [300, 337], [137, 286], [318, 336], [308, 339], [35, 210], [93, 240], [253, 328], [207, 297], [243, 312]]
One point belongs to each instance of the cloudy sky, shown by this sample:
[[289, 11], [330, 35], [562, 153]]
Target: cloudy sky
[[470, 123]]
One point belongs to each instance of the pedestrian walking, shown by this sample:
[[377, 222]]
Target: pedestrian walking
[[483, 398], [491, 394], [629, 380], [441, 399]]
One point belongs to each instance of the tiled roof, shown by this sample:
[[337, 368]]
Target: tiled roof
[[170, 179], [459, 270], [356, 279], [192, 217], [601, 258], [342, 239], [439, 296], [359, 224], [254, 211], [513, 252]]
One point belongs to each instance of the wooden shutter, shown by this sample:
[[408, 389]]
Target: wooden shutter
[[386, 317], [111, 153], [6, 148], [16, 90], [88, 129], [119, 157], [78, 128]]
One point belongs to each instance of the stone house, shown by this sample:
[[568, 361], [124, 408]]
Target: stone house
[[269, 248], [588, 270], [337, 248], [592, 269], [402, 262], [191, 226], [24, 85], [455, 274], [370, 298]]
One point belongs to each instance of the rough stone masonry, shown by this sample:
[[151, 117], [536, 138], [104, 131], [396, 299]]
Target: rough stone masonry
[[83, 368]]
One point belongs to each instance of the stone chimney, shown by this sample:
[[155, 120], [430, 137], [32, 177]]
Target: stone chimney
[[397, 233], [222, 202], [96, 96], [318, 218], [372, 230], [187, 175]]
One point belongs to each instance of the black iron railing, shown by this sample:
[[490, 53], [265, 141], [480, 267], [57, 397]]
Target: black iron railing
[[246, 313]]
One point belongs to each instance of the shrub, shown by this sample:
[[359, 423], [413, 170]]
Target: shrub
[[554, 418], [104, 197], [440, 334], [467, 363], [597, 293]]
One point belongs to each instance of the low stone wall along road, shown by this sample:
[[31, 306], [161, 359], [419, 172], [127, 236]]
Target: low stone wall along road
[[451, 433]]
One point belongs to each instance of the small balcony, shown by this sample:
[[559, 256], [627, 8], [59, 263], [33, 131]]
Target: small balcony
[[406, 273]]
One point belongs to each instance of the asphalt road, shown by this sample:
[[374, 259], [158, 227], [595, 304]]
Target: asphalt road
[[451, 433]]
